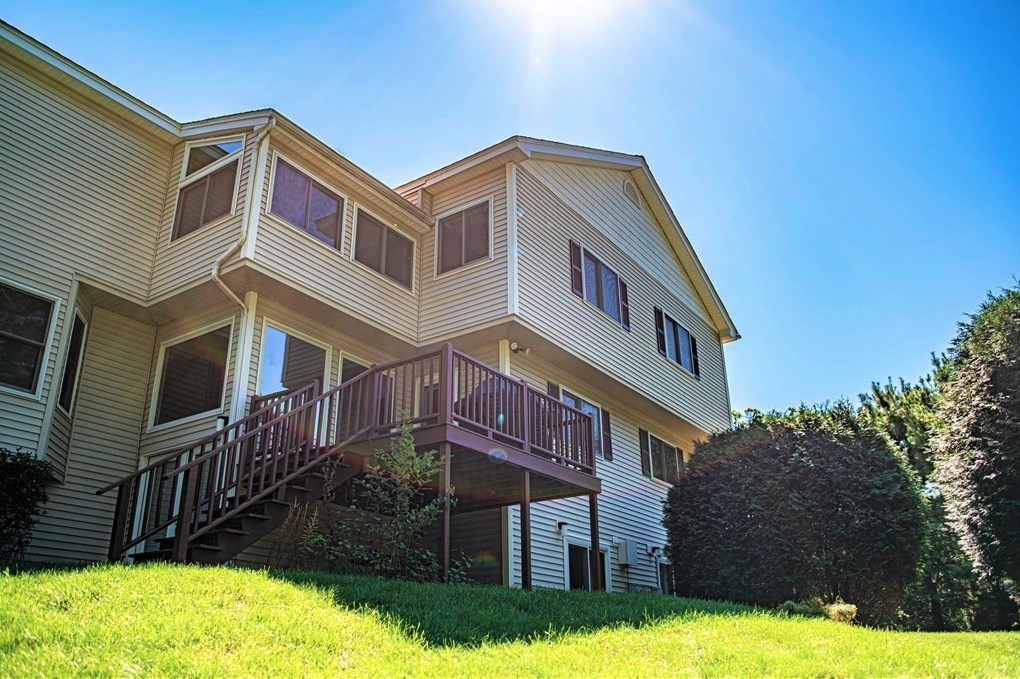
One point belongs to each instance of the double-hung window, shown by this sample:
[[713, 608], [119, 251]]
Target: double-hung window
[[208, 189], [24, 336], [660, 460], [305, 203], [594, 281], [588, 408], [383, 249], [676, 343], [463, 237]]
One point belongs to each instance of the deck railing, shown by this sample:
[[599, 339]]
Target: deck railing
[[197, 488]]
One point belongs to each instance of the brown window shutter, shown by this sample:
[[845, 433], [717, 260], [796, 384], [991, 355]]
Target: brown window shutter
[[553, 390], [624, 306], [607, 437], [660, 331], [694, 357], [646, 454], [576, 272]]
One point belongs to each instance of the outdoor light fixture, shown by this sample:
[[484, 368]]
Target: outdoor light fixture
[[562, 525], [517, 349], [654, 551]]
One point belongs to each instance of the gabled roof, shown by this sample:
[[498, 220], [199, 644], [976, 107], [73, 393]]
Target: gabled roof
[[518, 148]]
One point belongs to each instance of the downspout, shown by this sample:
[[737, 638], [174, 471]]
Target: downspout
[[250, 217], [247, 319]]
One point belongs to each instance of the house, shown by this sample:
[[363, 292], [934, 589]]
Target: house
[[196, 316]]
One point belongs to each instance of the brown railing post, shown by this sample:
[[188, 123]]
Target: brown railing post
[[119, 522], [446, 384], [526, 409], [183, 532]]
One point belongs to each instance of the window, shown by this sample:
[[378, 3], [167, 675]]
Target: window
[[24, 336], [208, 185], [72, 365], [631, 192], [383, 249], [192, 379], [579, 567], [463, 237], [666, 583], [288, 362], [660, 460], [593, 280], [307, 204], [676, 343], [587, 408]]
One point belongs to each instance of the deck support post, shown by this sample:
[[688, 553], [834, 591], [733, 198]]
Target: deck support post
[[119, 522], [526, 532], [594, 554], [444, 489]]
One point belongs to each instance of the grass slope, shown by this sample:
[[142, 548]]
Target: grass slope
[[192, 621]]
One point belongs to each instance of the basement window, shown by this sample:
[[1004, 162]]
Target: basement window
[[464, 237], [305, 203], [208, 188], [192, 376], [383, 249]]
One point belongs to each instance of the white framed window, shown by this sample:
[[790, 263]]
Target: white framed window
[[677, 343], [289, 360], [191, 376], [598, 284], [210, 175], [667, 585], [660, 460], [578, 567], [304, 202], [27, 321], [464, 236], [383, 249], [588, 408], [72, 363]]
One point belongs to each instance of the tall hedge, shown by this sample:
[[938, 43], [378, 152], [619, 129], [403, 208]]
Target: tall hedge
[[977, 449], [808, 504]]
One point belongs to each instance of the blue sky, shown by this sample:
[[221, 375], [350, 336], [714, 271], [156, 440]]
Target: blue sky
[[849, 173]]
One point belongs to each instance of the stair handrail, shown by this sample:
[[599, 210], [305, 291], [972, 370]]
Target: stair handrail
[[183, 450]]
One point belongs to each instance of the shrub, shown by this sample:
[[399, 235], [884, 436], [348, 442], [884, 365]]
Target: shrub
[[23, 479], [840, 611], [391, 511], [812, 503], [977, 448]]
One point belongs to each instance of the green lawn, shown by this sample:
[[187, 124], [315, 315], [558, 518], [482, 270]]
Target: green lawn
[[193, 621]]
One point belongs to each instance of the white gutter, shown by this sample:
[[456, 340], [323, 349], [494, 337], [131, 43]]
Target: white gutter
[[249, 213]]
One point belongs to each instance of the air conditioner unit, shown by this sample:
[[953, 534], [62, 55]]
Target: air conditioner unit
[[626, 553]]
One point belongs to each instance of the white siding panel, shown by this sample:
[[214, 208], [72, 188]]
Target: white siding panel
[[104, 444], [547, 303], [478, 293]]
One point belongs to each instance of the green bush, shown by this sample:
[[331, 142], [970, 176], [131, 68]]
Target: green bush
[[23, 479], [840, 611], [812, 503]]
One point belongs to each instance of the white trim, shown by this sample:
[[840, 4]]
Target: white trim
[[669, 442], [242, 371], [513, 294], [255, 188], [678, 364], [47, 347], [414, 250], [158, 377], [504, 356], [315, 179], [474, 263], [571, 541], [287, 330], [184, 182], [81, 362]]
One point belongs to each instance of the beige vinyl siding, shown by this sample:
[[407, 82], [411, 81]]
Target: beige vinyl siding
[[157, 440], [328, 273], [179, 263], [596, 193], [477, 293], [630, 505], [80, 191], [59, 442], [548, 304], [104, 443]]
